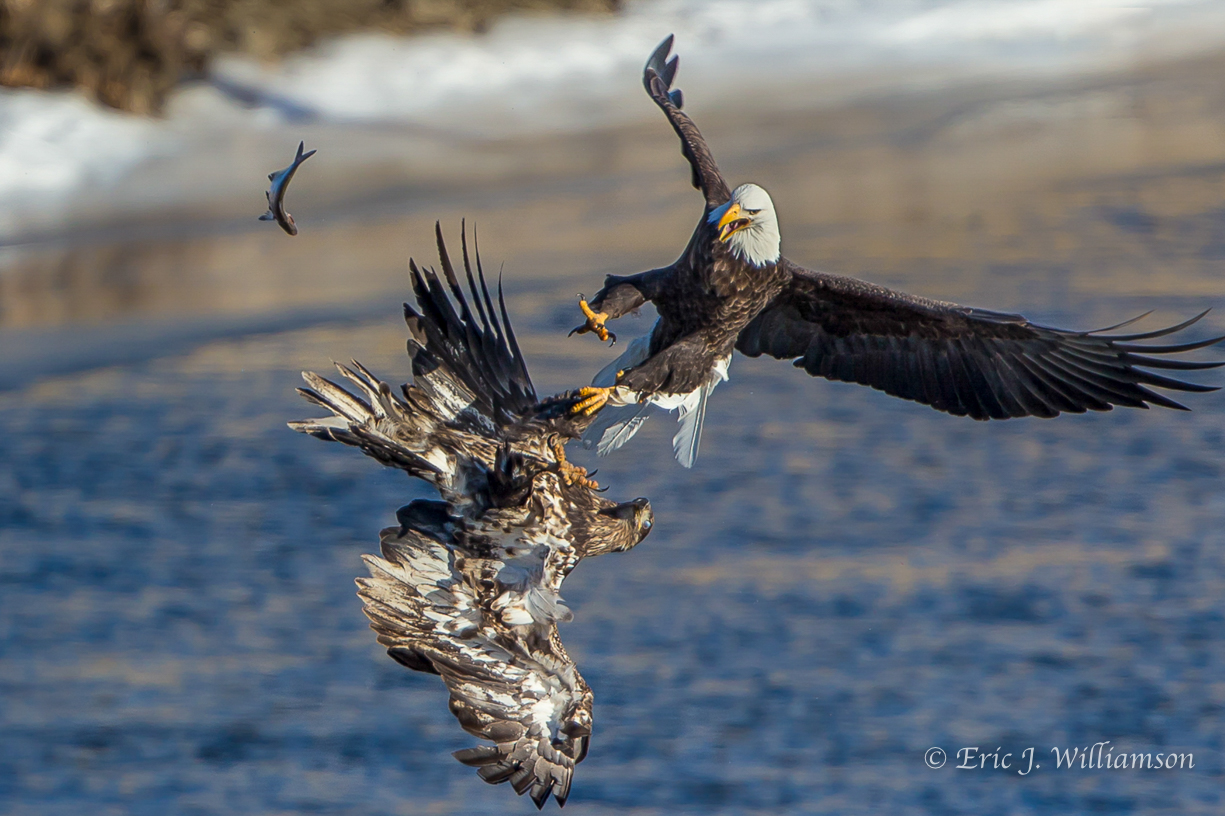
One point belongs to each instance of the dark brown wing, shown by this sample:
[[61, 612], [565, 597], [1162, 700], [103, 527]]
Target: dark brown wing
[[968, 362], [479, 349], [657, 78]]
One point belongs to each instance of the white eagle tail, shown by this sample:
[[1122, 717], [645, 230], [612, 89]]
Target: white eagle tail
[[624, 414]]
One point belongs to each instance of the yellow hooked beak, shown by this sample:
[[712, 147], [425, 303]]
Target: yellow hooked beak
[[732, 222]]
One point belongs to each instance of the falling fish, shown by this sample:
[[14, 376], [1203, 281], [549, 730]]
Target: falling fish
[[276, 193]]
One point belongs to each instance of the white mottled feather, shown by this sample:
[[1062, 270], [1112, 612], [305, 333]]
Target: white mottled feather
[[419, 598]]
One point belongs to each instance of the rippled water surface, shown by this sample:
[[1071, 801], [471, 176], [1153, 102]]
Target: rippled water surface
[[843, 582]]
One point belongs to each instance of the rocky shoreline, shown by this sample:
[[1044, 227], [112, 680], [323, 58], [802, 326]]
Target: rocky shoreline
[[129, 54]]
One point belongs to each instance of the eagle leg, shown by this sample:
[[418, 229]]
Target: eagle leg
[[595, 323], [570, 474], [590, 400]]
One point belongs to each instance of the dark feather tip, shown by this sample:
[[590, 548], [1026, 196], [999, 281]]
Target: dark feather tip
[[540, 794], [669, 72], [660, 54]]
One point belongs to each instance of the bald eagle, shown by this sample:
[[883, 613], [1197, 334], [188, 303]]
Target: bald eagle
[[731, 288], [469, 587]]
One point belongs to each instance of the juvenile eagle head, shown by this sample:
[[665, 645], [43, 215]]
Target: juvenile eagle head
[[631, 521], [748, 224]]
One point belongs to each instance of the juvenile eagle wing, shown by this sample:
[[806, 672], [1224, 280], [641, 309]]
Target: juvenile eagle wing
[[512, 685], [470, 383]]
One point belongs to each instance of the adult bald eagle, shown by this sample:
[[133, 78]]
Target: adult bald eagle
[[468, 587], [732, 289]]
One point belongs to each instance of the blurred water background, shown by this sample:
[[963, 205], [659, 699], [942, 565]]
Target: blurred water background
[[843, 581]]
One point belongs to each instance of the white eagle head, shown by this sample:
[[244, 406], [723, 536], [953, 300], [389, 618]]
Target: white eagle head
[[748, 224]]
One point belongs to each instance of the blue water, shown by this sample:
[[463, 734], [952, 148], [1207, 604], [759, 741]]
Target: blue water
[[843, 582]]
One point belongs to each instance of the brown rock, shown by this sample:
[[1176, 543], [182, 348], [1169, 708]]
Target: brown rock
[[130, 53]]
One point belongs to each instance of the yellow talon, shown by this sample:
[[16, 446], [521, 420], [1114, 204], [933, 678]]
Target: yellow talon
[[592, 400], [595, 323], [570, 474]]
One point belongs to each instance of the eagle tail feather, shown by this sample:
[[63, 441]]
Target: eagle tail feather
[[687, 440], [529, 763], [615, 425], [692, 415]]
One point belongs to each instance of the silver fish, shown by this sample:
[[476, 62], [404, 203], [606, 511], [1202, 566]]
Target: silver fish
[[276, 193]]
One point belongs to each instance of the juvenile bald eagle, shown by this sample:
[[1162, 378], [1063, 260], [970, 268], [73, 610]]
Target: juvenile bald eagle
[[468, 587], [732, 289]]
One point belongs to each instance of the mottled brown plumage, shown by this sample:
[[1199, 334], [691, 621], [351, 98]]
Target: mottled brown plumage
[[965, 361], [469, 587]]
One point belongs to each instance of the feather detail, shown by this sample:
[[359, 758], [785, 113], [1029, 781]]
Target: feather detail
[[966, 361], [469, 587], [689, 437], [617, 425], [692, 415], [637, 351]]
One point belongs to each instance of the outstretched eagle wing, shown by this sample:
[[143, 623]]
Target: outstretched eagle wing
[[965, 361], [514, 686], [484, 353], [470, 384], [657, 78]]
